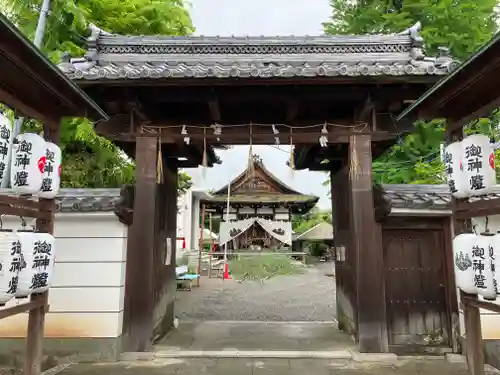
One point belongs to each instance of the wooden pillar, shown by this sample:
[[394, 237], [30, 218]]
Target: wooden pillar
[[139, 296], [346, 305], [171, 182], [36, 320], [367, 243], [474, 349], [166, 306]]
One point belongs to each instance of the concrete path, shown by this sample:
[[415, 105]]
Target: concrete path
[[244, 366], [245, 336]]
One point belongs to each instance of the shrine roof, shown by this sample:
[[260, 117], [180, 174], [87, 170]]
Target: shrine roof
[[83, 200], [265, 198], [320, 232], [34, 86], [471, 91], [418, 196], [119, 57], [256, 163], [426, 197]]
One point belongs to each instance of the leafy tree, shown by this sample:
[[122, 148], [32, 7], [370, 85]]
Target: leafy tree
[[461, 25], [301, 223], [88, 159]]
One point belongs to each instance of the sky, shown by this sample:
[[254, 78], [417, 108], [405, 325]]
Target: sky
[[270, 18]]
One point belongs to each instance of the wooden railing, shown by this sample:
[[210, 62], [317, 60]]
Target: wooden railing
[[474, 348], [43, 211]]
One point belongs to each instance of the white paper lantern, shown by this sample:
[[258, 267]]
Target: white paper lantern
[[5, 145], [27, 241], [43, 262], [481, 263], [455, 177], [462, 259], [10, 263], [28, 163], [52, 172], [479, 164]]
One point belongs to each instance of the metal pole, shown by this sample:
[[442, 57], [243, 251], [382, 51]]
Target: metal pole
[[37, 41], [227, 219], [210, 228], [200, 244], [42, 21]]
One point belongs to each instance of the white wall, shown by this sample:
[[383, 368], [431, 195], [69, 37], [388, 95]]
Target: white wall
[[87, 294]]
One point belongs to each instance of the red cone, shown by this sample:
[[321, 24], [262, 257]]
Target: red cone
[[226, 272]]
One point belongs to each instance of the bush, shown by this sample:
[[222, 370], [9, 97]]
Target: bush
[[317, 249]]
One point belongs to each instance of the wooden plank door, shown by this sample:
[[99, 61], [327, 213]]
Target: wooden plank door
[[415, 287]]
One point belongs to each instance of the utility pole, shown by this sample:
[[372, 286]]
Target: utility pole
[[37, 41]]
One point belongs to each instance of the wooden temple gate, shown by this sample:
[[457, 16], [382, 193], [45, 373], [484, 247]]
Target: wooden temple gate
[[468, 94], [33, 87], [173, 100]]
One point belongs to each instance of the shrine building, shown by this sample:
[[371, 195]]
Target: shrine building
[[260, 209]]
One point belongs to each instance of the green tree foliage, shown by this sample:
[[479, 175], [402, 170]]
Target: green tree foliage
[[88, 159], [301, 223], [461, 25]]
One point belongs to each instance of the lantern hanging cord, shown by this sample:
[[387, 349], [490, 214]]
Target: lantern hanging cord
[[23, 222], [275, 125], [486, 229]]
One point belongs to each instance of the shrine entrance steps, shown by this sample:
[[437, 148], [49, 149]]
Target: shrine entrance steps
[[248, 336], [157, 365]]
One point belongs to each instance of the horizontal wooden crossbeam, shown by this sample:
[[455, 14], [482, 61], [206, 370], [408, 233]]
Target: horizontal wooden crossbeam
[[25, 207], [486, 206], [23, 307]]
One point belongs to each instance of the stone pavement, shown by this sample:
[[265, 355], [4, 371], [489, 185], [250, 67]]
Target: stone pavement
[[256, 366], [268, 336]]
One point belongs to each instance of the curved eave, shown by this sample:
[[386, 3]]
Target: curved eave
[[33, 81], [262, 199], [470, 90], [270, 70]]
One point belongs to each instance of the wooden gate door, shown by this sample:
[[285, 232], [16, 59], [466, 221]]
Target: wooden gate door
[[414, 263]]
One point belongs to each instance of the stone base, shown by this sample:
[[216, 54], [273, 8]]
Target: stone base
[[492, 353], [60, 351]]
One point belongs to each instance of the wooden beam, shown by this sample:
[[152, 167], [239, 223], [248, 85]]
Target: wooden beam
[[213, 105], [139, 298], [367, 241], [450, 92], [471, 301], [364, 111], [450, 287], [23, 307], [472, 316], [484, 206], [235, 136], [256, 89], [36, 317], [13, 102], [292, 110], [473, 335]]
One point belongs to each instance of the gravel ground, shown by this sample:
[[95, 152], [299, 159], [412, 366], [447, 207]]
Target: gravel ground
[[304, 297]]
